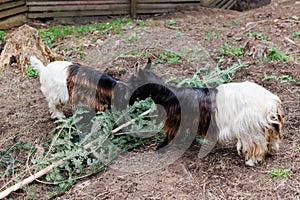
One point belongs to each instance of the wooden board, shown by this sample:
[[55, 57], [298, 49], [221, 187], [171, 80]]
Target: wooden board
[[87, 8], [13, 21], [168, 1], [11, 4], [77, 8], [77, 13], [13, 11], [56, 3]]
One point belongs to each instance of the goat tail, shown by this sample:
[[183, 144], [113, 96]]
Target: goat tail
[[37, 64]]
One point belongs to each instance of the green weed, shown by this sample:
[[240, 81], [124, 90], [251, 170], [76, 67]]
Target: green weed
[[279, 173], [168, 57], [2, 35], [140, 22], [298, 59], [258, 35], [235, 23], [296, 146], [30, 71], [296, 34], [133, 37], [172, 22], [227, 49], [210, 35], [51, 34], [282, 79], [238, 38], [277, 55], [208, 78]]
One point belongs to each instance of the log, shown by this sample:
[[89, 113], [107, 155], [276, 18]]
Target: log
[[21, 44]]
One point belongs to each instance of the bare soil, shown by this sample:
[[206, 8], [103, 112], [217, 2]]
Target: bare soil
[[220, 175]]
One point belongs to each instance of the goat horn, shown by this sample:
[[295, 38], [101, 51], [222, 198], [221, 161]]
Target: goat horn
[[149, 63], [136, 68]]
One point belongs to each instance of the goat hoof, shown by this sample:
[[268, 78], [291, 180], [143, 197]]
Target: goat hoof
[[57, 115], [250, 163]]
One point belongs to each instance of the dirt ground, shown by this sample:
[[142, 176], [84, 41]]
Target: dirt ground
[[220, 175]]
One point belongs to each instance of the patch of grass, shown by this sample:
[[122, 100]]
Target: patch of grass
[[30, 71], [227, 49], [2, 35], [279, 173], [282, 78], [168, 57], [51, 34], [140, 22], [210, 35], [277, 55], [238, 38], [133, 37], [296, 34], [2, 95], [258, 35], [298, 59], [296, 146], [172, 22], [235, 23]]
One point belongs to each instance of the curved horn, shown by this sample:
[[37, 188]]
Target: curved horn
[[149, 63], [136, 68]]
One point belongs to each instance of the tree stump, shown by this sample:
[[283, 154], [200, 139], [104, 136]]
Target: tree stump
[[22, 43]]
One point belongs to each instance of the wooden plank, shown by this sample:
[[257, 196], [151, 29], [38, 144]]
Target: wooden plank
[[13, 11], [168, 1], [4, 1], [11, 5], [77, 13], [77, 8], [13, 21], [49, 3], [70, 1], [227, 4], [133, 8], [158, 6], [153, 11]]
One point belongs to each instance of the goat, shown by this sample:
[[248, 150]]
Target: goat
[[242, 113], [65, 82]]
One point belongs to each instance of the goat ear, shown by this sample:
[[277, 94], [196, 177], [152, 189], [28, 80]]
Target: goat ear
[[149, 63], [136, 68]]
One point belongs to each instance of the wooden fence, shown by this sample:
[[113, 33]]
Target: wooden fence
[[15, 12], [12, 13]]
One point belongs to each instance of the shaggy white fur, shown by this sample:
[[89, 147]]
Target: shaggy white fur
[[53, 84], [246, 114]]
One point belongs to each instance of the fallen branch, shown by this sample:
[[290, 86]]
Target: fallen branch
[[47, 169]]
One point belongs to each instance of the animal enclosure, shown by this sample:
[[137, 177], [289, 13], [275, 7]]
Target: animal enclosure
[[14, 13]]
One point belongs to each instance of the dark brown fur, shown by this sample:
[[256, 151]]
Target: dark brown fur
[[89, 88], [175, 100]]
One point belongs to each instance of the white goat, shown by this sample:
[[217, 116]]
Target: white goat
[[245, 114], [53, 84], [251, 116], [63, 82]]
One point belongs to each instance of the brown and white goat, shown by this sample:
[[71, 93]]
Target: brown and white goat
[[245, 113], [64, 82]]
